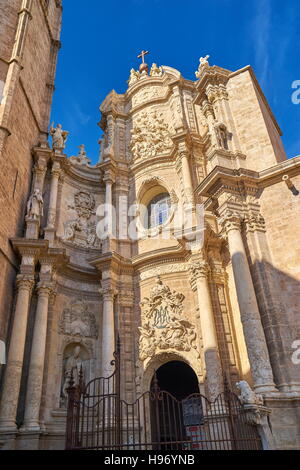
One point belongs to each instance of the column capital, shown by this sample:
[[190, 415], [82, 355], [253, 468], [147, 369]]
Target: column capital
[[230, 220], [25, 282], [109, 177], [207, 109], [255, 222], [108, 293], [45, 289], [199, 269], [40, 166], [56, 170]]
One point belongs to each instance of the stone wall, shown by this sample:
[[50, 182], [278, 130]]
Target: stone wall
[[25, 116]]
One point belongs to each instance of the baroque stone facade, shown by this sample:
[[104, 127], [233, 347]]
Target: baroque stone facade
[[178, 240]]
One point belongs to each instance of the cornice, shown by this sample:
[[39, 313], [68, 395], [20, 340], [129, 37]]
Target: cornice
[[85, 175], [22, 244], [136, 167], [162, 255], [79, 273], [221, 176], [112, 261]]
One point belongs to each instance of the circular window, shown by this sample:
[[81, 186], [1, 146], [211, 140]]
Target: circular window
[[158, 210]]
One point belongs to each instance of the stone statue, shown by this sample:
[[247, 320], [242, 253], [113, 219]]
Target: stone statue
[[73, 365], [59, 137], [156, 71], [35, 206], [203, 64], [81, 158], [248, 396], [134, 77]]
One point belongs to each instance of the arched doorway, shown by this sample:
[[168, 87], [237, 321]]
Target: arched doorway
[[178, 411], [177, 378]]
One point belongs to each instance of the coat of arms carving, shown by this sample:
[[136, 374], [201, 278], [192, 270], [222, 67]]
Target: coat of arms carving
[[163, 326], [78, 321]]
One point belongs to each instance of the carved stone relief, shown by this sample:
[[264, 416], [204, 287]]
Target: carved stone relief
[[150, 136], [77, 321], [82, 230], [163, 327], [148, 93]]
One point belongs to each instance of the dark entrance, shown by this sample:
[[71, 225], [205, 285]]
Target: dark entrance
[[179, 410], [172, 415], [177, 378]]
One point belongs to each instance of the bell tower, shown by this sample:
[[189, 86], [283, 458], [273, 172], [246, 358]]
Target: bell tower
[[29, 45]]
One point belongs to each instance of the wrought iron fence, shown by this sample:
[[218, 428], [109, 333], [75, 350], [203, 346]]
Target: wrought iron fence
[[98, 419]]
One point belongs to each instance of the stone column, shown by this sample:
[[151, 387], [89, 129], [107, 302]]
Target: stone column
[[109, 212], [36, 369], [250, 316], [13, 373], [56, 172], [108, 331], [199, 281], [208, 112], [187, 178]]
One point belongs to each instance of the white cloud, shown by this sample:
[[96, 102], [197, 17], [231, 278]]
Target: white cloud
[[261, 38]]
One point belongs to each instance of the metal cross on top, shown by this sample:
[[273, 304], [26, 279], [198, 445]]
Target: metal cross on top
[[142, 55]]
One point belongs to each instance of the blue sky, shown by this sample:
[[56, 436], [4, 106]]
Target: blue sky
[[101, 41]]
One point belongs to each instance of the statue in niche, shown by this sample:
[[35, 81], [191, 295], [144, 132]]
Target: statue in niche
[[35, 205], [59, 137], [222, 135], [75, 361]]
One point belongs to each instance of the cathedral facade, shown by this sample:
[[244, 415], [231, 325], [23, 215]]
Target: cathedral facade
[[181, 241]]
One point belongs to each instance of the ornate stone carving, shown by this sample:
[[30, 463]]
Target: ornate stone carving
[[82, 230], [134, 77], [203, 65], [165, 269], [255, 221], [198, 269], [84, 204], [248, 396], [59, 137], [150, 136], [230, 220], [35, 206], [162, 324], [156, 71], [77, 321], [81, 158]]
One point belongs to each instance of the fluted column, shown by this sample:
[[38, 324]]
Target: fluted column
[[250, 316], [108, 331], [199, 281], [37, 358], [13, 373], [56, 172]]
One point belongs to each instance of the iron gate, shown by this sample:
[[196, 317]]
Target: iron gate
[[98, 419]]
